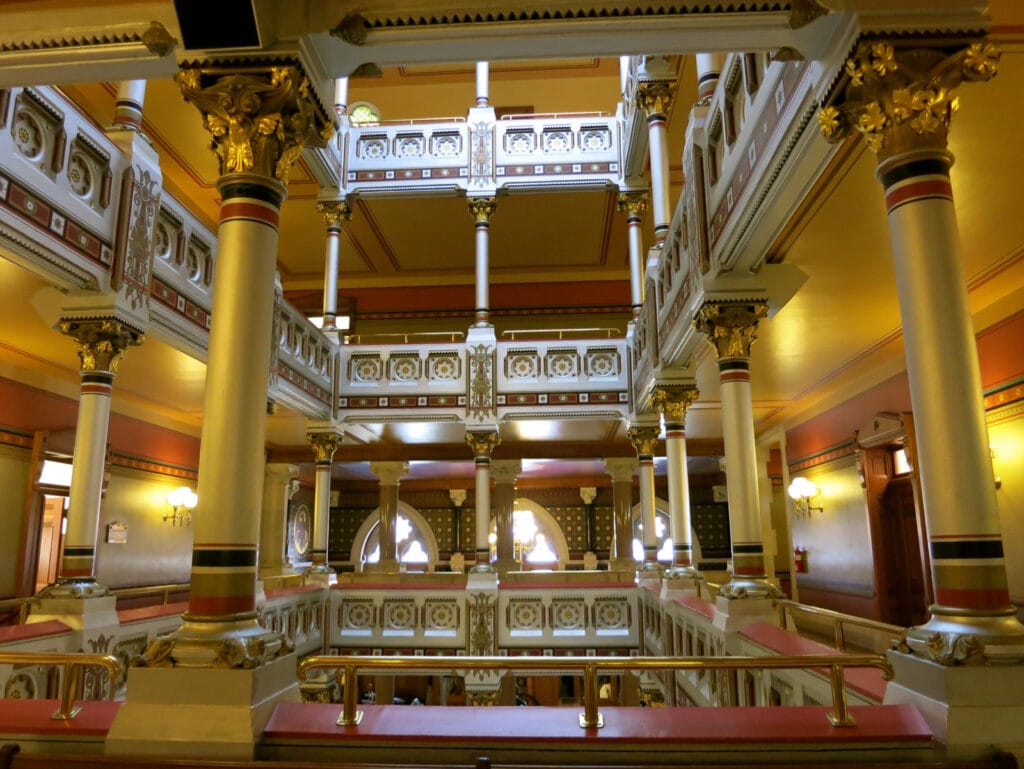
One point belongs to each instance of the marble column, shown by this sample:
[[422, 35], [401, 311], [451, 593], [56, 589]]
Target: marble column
[[259, 122], [621, 471], [341, 97], [483, 443], [334, 213], [458, 497], [482, 84], [672, 402], [482, 210], [505, 472], [324, 443], [101, 343], [655, 99], [709, 70], [280, 482], [902, 102], [731, 329], [389, 474], [634, 205], [644, 438], [131, 94]]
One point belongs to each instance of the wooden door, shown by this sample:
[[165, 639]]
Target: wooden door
[[904, 590]]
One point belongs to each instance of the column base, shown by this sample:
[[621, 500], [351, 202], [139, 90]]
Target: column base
[[389, 566], [85, 606], [238, 642], [505, 565], [680, 580], [732, 616], [974, 710], [74, 587], [483, 568], [200, 713], [955, 636], [622, 564], [748, 587]]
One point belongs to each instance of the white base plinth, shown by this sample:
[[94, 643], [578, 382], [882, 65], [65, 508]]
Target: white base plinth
[[200, 712], [974, 710]]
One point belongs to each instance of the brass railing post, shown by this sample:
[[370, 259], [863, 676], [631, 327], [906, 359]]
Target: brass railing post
[[350, 716], [841, 716], [840, 635], [590, 718]]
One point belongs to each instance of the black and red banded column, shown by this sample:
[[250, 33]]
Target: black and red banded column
[[731, 329], [953, 456], [226, 520]]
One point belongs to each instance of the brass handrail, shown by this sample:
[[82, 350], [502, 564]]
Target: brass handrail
[[280, 580], [22, 605], [71, 679], [590, 717], [422, 337], [137, 592], [839, 621], [560, 334]]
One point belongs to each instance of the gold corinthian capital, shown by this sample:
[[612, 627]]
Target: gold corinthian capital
[[900, 98], [644, 439], [633, 203], [482, 442], [334, 212], [673, 401], [482, 209], [324, 445], [730, 328], [260, 120], [101, 343], [655, 98]]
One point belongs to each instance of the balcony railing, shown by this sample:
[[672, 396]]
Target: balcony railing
[[591, 668], [72, 669]]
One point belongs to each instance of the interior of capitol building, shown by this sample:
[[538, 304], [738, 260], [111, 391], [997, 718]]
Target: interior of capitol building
[[622, 384]]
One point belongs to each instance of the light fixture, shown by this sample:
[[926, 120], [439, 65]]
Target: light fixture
[[801, 491], [183, 500]]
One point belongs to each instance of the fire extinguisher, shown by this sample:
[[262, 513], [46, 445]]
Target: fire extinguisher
[[800, 559]]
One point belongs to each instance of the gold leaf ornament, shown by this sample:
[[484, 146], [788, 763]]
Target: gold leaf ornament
[[883, 59], [981, 61], [828, 122]]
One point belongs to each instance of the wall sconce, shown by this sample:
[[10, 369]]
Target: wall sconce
[[182, 500], [801, 491]]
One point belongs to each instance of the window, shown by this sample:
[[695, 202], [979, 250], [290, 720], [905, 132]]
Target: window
[[409, 545], [363, 113]]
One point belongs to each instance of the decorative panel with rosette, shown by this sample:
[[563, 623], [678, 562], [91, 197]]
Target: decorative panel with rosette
[[612, 615], [399, 616], [525, 616], [562, 363], [441, 616], [568, 616], [444, 367], [522, 366], [357, 616], [365, 369], [404, 369]]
